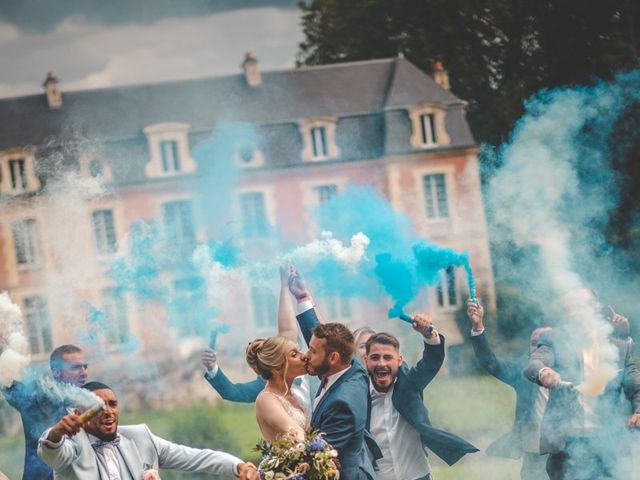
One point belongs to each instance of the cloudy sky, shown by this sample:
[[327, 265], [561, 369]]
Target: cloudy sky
[[98, 43]]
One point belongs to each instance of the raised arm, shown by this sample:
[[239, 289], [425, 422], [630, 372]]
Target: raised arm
[[55, 446], [246, 392], [505, 371], [286, 314], [432, 356], [308, 318]]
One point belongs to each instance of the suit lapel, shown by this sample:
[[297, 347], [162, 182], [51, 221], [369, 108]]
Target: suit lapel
[[335, 385], [132, 461]]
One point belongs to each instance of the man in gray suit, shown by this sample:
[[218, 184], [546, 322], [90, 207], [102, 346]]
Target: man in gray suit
[[100, 449]]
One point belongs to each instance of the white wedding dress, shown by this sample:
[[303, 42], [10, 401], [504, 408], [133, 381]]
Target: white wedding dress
[[300, 416]]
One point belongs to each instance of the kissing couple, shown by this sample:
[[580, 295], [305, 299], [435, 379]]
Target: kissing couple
[[339, 408]]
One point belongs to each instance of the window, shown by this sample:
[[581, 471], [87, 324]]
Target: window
[[319, 142], [435, 191], [168, 150], [338, 307], [95, 168], [179, 225], [105, 233], [170, 156], [116, 320], [26, 241], [446, 289], [36, 313], [428, 129], [265, 308], [325, 193], [189, 309], [254, 215], [18, 174]]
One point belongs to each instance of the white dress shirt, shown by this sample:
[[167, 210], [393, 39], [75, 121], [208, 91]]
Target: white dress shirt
[[403, 456], [108, 458], [330, 380]]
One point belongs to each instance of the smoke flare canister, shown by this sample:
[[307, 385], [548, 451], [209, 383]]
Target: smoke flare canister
[[91, 413]]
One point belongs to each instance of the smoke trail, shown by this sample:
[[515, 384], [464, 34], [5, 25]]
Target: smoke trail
[[403, 263], [14, 347], [556, 188]]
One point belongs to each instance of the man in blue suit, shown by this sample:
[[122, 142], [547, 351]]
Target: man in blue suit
[[398, 418], [39, 408], [340, 406]]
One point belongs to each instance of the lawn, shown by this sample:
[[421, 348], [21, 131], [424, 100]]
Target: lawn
[[477, 408]]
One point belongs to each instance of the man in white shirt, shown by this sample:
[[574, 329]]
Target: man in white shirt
[[399, 421], [100, 449]]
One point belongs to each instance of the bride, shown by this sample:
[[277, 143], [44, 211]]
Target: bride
[[279, 411]]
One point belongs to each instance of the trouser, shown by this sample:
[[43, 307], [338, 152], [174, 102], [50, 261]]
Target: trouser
[[583, 458], [533, 467], [428, 477]]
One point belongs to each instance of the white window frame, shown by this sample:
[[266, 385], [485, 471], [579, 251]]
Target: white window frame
[[268, 194], [38, 323], [180, 242], [257, 157], [119, 336], [432, 197], [102, 243], [267, 319], [29, 181], [440, 136], [309, 151], [444, 286], [168, 132], [33, 250], [449, 173]]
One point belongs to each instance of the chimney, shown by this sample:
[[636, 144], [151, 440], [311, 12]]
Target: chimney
[[54, 97], [251, 72], [440, 75]]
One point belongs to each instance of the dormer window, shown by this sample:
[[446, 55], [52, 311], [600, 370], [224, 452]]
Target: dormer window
[[169, 150], [170, 156], [319, 142], [428, 127], [17, 173], [248, 156], [319, 139], [94, 166]]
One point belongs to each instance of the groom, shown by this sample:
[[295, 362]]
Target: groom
[[340, 406]]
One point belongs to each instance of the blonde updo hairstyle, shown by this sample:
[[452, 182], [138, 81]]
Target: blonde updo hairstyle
[[264, 355]]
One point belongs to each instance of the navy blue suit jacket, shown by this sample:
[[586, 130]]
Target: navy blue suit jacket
[[342, 413], [509, 372], [407, 399], [246, 392], [38, 411]]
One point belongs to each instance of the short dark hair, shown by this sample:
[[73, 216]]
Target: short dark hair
[[339, 339], [382, 338], [93, 386], [56, 362]]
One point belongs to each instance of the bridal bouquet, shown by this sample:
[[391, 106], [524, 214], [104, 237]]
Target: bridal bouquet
[[291, 459]]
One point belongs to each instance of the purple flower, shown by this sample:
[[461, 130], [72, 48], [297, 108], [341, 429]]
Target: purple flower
[[317, 443]]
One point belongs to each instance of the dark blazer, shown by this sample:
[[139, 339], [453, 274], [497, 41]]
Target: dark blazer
[[509, 372], [246, 392], [407, 399], [38, 411], [342, 414], [555, 350]]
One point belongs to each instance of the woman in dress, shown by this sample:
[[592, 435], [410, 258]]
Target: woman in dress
[[279, 411]]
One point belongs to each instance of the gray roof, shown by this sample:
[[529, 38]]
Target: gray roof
[[338, 90]]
